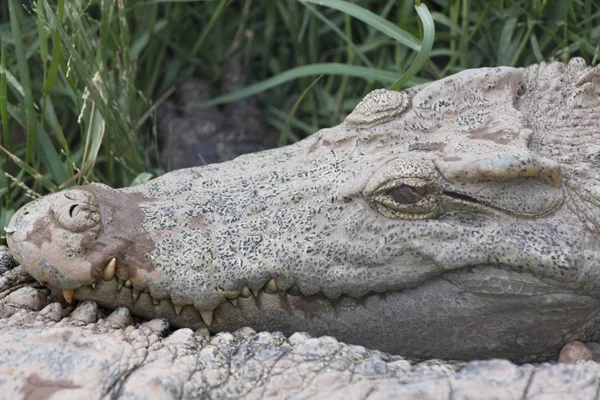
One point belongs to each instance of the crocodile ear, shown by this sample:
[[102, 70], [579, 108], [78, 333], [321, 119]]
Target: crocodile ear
[[378, 107]]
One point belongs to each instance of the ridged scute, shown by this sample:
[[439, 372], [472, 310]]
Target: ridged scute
[[378, 107]]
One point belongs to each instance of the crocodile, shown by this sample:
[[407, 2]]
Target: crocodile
[[457, 219]]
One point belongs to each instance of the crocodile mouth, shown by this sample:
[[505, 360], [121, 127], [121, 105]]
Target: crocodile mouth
[[121, 293], [448, 316], [117, 292], [113, 292]]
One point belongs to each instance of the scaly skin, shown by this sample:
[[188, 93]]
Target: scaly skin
[[457, 219], [85, 352]]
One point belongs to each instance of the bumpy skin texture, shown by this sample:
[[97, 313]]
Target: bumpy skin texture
[[85, 352], [458, 219]]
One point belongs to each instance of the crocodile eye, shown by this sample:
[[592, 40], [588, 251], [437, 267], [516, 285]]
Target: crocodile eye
[[411, 198], [407, 186], [406, 194], [76, 210]]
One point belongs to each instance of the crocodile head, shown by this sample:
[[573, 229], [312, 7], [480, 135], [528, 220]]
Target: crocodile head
[[457, 219]]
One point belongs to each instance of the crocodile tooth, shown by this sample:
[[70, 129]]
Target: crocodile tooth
[[245, 293], [110, 270], [135, 293], [255, 292], [178, 309], [234, 302], [294, 291], [207, 316], [120, 283], [68, 295], [42, 283], [94, 285], [155, 301], [128, 283], [271, 287]]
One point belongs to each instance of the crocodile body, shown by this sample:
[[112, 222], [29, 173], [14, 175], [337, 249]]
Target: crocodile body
[[457, 219]]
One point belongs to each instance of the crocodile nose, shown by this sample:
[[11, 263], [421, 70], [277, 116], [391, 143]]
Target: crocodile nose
[[76, 210], [466, 167]]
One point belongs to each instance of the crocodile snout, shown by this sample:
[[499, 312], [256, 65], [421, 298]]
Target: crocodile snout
[[49, 236]]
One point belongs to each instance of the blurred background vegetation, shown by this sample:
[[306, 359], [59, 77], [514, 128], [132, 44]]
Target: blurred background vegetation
[[81, 80]]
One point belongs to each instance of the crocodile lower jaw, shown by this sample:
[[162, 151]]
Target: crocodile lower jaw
[[116, 292], [434, 318]]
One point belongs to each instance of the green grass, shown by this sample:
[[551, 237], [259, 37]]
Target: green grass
[[80, 80]]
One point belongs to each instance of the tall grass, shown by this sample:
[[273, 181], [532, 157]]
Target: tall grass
[[80, 80]]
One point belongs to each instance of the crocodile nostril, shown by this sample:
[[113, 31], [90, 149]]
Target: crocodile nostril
[[71, 209], [76, 210]]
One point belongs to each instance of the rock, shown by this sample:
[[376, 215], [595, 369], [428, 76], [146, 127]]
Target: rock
[[574, 351]]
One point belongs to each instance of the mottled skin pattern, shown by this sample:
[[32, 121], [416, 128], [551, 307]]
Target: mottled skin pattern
[[457, 219], [50, 350]]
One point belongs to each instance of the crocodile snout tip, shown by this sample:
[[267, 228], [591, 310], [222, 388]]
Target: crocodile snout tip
[[49, 237]]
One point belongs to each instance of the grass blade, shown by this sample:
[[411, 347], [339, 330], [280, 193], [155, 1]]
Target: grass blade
[[17, 88], [31, 120], [213, 20], [3, 96], [286, 128], [56, 50], [5, 216], [50, 157], [370, 74], [5, 134], [428, 37], [341, 34], [141, 178], [42, 34], [122, 133], [97, 128], [506, 40], [31, 171], [372, 19]]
